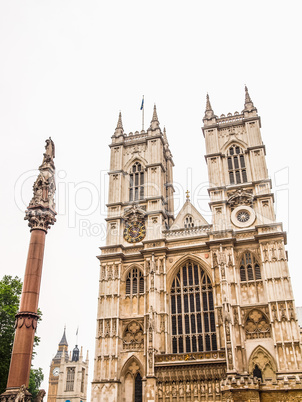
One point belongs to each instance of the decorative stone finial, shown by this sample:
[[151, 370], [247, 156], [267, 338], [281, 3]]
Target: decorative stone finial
[[41, 210], [119, 128], [209, 113], [165, 136], [248, 104], [154, 122], [188, 195]]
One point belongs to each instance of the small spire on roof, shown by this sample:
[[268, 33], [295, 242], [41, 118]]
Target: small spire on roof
[[154, 121], [209, 113], [64, 340], [119, 128], [248, 104]]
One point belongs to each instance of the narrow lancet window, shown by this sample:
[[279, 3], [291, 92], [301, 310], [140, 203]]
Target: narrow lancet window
[[136, 182], [236, 165]]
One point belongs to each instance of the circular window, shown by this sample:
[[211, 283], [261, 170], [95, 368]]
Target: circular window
[[243, 216]]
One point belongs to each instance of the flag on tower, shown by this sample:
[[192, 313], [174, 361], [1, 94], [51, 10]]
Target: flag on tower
[[142, 105]]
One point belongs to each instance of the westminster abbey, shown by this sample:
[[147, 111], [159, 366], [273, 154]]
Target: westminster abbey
[[190, 310]]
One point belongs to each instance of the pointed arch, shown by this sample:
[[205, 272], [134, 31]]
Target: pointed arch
[[235, 142], [262, 360], [174, 268], [129, 268], [133, 160], [132, 366]]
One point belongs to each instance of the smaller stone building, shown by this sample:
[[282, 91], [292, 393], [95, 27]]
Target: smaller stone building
[[68, 374]]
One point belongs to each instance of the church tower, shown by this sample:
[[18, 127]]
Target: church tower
[[187, 310], [68, 375]]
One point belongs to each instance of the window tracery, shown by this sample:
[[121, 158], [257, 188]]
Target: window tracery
[[249, 268], [189, 222], [135, 282], [192, 311], [136, 187], [257, 325], [236, 165]]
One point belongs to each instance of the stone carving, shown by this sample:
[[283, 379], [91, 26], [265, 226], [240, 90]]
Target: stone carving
[[107, 328], [257, 325], [133, 336], [230, 357], [40, 396], [30, 320], [134, 214], [41, 209], [150, 358], [240, 197]]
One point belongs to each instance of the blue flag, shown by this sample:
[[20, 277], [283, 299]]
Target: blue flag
[[142, 105]]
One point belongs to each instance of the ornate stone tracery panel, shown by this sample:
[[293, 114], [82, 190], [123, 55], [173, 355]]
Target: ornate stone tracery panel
[[257, 325], [133, 338]]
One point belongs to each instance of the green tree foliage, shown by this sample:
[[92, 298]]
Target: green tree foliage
[[35, 379], [10, 292]]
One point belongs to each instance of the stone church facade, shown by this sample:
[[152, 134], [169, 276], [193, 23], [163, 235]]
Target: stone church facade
[[187, 310]]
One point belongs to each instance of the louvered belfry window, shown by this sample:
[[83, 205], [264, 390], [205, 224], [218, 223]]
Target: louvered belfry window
[[135, 282], [249, 268], [236, 165], [192, 311], [136, 187]]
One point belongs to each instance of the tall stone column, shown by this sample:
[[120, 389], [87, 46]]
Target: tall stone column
[[40, 215]]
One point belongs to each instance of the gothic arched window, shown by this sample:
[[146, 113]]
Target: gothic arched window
[[189, 222], [136, 188], [192, 311], [236, 165], [249, 268], [135, 282]]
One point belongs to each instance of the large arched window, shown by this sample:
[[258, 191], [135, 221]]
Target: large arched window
[[135, 282], [192, 310], [249, 268], [236, 165], [136, 188]]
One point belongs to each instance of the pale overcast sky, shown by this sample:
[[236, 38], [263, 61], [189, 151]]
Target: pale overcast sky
[[68, 67]]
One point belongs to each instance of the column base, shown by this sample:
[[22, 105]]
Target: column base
[[16, 395]]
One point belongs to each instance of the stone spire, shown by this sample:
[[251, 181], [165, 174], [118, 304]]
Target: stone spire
[[154, 122], [209, 113], [64, 340], [165, 136], [119, 128], [248, 104]]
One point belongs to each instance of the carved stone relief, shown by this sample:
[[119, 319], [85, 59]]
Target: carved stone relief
[[133, 338]]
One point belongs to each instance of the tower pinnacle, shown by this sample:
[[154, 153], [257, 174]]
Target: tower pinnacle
[[248, 104], [119, 128], [154, 122], [209, 113]]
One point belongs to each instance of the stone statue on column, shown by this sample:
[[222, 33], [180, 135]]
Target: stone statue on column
[[40, 214]]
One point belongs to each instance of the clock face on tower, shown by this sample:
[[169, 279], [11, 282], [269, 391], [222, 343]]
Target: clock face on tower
[[134, 232], [56, 371]]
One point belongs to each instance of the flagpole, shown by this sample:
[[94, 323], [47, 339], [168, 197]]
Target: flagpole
[[143, 114]]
